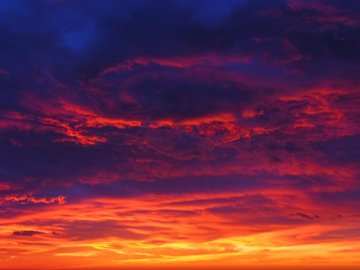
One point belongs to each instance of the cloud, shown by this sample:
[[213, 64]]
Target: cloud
[[171, 131], [306, 215], [88, 230], [26, 233], [24, 199]]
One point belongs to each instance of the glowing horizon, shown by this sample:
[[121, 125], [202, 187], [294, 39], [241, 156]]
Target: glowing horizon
[[179, 134]]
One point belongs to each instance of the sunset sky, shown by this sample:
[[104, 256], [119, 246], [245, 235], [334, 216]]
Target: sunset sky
[[179, 134]]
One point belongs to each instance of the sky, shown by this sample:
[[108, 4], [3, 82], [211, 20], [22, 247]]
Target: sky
[[179, 134]]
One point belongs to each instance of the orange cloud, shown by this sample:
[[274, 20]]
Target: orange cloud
[[154, 230]]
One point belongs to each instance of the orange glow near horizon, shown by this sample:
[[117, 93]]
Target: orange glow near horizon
[[164, 233]]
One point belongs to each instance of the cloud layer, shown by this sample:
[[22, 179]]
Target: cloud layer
[[137, 133]]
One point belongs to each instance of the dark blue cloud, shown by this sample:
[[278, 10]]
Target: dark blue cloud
[[59, 52]]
